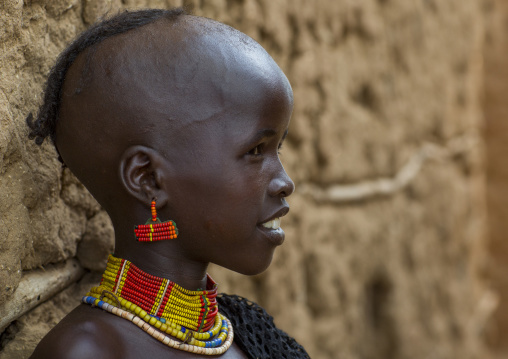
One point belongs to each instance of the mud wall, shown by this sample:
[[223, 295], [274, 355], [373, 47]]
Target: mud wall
[[496, 136], [386, 234]]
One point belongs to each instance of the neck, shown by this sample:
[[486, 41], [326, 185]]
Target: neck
[[162, 259]]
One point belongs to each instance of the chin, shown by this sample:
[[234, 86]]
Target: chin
[[250, 266]]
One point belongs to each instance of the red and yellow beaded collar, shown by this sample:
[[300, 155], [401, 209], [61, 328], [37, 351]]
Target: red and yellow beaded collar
[[160, 297], [160, 306]]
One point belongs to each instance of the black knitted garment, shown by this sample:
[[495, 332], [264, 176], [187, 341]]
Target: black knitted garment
[[255, 332]]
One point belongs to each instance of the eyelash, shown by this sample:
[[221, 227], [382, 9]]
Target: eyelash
[[257, 151]]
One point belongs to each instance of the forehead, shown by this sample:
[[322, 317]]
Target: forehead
[[237, 121]]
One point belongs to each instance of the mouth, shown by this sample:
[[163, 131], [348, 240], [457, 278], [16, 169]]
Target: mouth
[[272, 224], [270, 227]]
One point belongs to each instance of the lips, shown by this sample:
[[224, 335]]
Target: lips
[[273, 221], [270, 227], [273, 224]]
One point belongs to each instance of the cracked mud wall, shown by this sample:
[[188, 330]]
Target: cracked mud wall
[[385, 238]]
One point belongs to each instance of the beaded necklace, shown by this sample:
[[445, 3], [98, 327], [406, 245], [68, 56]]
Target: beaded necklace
[[159, 306]]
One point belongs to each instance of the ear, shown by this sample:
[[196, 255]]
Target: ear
[[142, 174]]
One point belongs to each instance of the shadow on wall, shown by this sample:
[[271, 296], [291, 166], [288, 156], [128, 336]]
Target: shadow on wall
[[382, 329]]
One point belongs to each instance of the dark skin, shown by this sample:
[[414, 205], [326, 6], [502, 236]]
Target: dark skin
[[193, 114]]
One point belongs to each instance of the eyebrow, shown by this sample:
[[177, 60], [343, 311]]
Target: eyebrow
[[267, 133], [264, 133]]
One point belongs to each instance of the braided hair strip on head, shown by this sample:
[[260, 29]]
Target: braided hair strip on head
[[47, 118]]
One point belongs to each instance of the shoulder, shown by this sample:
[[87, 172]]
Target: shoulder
[[82, 334], [90, 333]]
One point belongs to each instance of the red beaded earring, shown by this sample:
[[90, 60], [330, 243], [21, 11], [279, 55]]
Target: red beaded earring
[[154, 229]]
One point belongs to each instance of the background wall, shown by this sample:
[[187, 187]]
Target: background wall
[[496, 135], [386, 237]]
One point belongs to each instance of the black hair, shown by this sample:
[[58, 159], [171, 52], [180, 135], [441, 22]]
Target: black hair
[[47, 118]]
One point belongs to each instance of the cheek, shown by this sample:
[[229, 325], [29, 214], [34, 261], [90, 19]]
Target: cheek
[[219, 200], [233, 216], [231, 211]]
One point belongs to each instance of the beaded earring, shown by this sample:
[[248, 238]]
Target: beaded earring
[[154, 229]]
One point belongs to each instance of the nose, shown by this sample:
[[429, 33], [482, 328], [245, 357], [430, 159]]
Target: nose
[[281, 184]]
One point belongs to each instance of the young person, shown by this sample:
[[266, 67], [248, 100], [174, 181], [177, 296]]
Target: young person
[[174, 123]]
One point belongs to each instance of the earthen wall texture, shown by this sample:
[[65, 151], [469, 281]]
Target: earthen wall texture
[[496, 136], [385, 238]]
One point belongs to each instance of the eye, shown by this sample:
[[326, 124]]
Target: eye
[[256, 151]]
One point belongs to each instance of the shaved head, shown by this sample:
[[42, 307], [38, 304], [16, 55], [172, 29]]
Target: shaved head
[[151, 86]]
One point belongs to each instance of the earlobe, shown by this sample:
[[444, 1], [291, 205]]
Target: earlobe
[[141, 174]]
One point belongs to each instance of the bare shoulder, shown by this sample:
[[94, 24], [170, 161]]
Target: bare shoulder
[[89, 332], [84, 333]]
